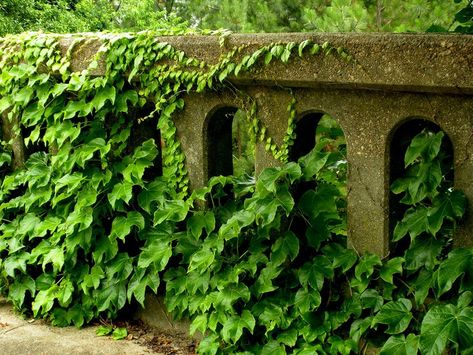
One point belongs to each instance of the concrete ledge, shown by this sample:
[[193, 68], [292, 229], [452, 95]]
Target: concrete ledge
[[389, 62]]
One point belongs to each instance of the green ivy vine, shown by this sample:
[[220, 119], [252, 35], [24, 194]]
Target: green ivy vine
[[90, 224]]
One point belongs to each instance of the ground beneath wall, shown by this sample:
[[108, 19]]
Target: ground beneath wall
[[20, 336]]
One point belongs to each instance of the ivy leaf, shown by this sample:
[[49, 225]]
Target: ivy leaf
[[28, 224], [302, 46], [17, 290], [199, 324], [364, 269], [414, 222], [307, 300], [359, 327], [287, 246], [119, 333], [104, 94], [396, 315], [111, 295], [422, 286], [14, 262], [210, 344], [104, 246], [443, 324], [157, 250], [120, 267], [233, 328], [340, 256], [140, 280], [201, 260], [175, 210], [75, 315], [312, 163], [371, 298], [121, 191], [231, 294], [122, 100], [93, 278], [425, 145], [423, 252], [284, 198], [458, 262], [104, 330], [449, 205], [264, 283], [273, 348], [50, 223], [400, 345], [121, 226], [54, 256], [314, 272], [391, 267], [288, 337], [155, 191], [199, 221], [44, 300]]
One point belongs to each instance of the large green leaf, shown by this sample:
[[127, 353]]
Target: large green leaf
[[444, 324], [424, 251], [157, 251], [363, 271], [448, 205], [340, 256], [121, 191], [459, 261], [312, 163], [307, 300], [396, 315], [121, 226], [17, 290], [414, 222], [233, 328], [391, 267], [425, 145], [286, 246], [314, 272]]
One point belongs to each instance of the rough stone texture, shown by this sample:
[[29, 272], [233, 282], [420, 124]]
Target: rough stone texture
[[22, 337], [391, 62], [10, 134], [396, 77], [155, 314]]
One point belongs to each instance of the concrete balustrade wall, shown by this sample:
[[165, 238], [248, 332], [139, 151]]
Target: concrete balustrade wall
[[396, 78]]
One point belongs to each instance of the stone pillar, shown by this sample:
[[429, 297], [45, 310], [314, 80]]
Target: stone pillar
[[272, 112], [12, 134], [364, 120], [192, 124]]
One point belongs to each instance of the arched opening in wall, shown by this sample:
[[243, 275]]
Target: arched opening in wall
[[321, 196], [418, 175], [320, 134], [230, 151], [305, 135]]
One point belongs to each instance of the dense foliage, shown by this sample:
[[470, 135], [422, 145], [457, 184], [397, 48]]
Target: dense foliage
[[89, 224], [236, 15]]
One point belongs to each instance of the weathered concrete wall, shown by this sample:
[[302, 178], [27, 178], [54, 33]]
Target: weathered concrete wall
[[391, 62], [396, 77]]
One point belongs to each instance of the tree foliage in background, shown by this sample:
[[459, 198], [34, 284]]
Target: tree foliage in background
[[236, 15]]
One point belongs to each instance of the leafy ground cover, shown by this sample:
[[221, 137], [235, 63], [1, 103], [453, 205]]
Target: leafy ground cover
[[88, 226]]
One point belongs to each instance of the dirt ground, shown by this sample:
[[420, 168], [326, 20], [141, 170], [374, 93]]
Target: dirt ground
[[19, 336]]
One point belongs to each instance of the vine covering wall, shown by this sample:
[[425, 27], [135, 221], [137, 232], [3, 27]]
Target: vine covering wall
[[96, 211]]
